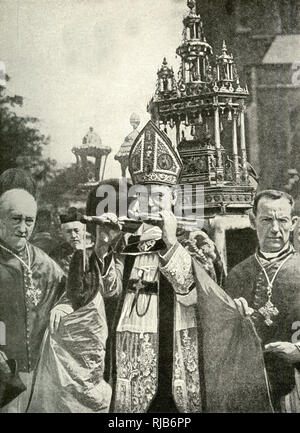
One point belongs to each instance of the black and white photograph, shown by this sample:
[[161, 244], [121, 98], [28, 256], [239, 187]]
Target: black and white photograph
[[149, 209]]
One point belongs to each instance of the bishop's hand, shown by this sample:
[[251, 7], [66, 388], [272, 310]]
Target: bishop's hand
[[168, 227]]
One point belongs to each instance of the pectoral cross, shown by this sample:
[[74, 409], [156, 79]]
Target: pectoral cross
[[138, 285], [33, 294], [268, 311]]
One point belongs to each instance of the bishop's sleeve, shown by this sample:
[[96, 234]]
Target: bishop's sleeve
[[176, 266], [112, 275], [233, 285], [63, 303]]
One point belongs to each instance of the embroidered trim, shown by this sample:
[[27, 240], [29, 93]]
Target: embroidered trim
[[178, 270], [136, 371], [186, 385]]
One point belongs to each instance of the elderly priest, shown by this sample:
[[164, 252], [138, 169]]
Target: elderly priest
[[30, 285]]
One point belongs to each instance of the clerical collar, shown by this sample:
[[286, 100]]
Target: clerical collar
[[287, 249]]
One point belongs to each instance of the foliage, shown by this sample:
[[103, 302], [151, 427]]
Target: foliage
[[62, 189], [21, 142]]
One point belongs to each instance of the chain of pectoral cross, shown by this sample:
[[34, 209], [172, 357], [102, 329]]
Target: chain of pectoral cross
[[269, 310], [139, 285]]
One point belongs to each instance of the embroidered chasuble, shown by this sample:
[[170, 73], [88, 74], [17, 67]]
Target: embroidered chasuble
[[156, 349]]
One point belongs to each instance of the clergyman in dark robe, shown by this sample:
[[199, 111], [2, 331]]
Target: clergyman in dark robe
[[269, 280]]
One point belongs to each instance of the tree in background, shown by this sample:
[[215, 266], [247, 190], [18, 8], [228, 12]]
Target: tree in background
[[21, 142], [22, 145], [62, 191]]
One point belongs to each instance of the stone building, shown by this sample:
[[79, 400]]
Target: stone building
[[264, 36]]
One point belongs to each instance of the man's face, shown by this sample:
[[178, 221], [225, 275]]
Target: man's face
[[17, 220], [73, 233], [273, 223], [152, 199]]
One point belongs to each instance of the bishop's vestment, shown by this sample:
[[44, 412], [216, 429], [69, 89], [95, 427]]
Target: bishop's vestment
[[155, 350]]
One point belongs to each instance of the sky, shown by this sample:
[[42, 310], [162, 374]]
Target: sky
[[82, 63]]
